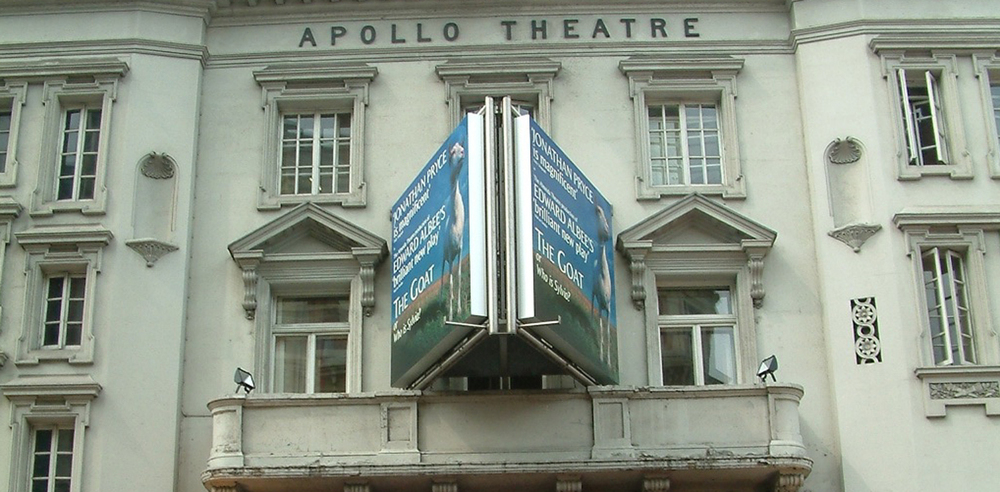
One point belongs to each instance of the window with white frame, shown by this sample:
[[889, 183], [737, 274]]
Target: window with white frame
[[52, 459], [923, 117], [922, 84], [309, 278], [64, 308], [310, 336], [948, 313], [987, 68], [314, 120], [11, 100], [61, 272], [697, 336], [80, 142], [527, 81], [49, 418], [698, 297], [685, 117], [684, 144], [75, 142]]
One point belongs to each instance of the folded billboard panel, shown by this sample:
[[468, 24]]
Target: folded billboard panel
[[565, 255], [438, 254]]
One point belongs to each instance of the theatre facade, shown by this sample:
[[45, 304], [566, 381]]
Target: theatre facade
[[499, 245]]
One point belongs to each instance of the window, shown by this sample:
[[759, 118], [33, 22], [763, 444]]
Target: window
[[527, 81], [314, 131], [49, 417], [64, 305], [957, 352], [697, 336], [685, 117], [75, 143], [81, 136], [52, 459], [988, 72], [684, 145], [310, 283], [315, 153], [922, 118], [62, 267], [923, 91], [701, 329], [310, 344], [11, 99]]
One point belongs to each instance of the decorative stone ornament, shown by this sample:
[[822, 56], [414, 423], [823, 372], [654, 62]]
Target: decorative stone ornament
[[855, 235], [157, 166], [844, 151], [867, 346], [150, 249]]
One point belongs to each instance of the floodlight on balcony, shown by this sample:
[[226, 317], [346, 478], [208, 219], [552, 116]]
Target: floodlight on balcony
[[243, 379], [767, 367]]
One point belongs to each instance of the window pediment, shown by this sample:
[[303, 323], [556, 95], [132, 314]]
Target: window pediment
[[694, 236], [308, 239]]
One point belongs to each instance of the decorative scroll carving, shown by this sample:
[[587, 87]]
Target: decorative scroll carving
[[569, 484], [249, 267], [150, 249], [637, 267], [368, 258], [957, 390], [756, 266], [844, 151], [867, 347], [788, 482], [157, 166], [855, 235], [655, 484]]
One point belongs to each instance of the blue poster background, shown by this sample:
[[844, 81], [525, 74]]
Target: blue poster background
[[573, 260], [430, 260]]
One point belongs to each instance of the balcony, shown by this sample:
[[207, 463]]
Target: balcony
[[620, 438]]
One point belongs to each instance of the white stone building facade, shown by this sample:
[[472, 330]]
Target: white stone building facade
[[192, 186]]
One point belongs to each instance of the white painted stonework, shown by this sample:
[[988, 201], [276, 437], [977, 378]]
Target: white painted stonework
[[183, 240]]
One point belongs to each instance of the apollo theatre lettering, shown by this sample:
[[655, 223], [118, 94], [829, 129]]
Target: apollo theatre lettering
[[430, 32]]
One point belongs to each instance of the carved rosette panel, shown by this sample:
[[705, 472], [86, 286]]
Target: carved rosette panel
[[150, 249], [960, 390], [855, 235], [867, 346]]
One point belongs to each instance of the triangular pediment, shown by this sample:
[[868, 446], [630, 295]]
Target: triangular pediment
[[307, 230], [697, 222]]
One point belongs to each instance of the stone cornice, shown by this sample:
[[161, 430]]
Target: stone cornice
[[100, 67], [895, 28], [51, 386], [196, 8], [47, 236], [984, 217], [105, 48]]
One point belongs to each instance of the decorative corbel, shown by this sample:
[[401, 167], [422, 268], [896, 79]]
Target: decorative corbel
[[150, 249], [755, 251], [368, 258], [636, 253], [655, 484], [248, 262], [788, 482]]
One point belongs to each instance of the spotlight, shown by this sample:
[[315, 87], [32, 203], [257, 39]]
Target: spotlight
[[768, 366], [243, 380]]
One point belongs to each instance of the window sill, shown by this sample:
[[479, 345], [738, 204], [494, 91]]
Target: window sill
[[945, 386], [648, 192], [71, 356], [952, 171], [85, 207], [347, 200]]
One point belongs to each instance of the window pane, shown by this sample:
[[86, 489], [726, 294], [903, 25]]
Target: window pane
[[72, 119], [306, 127], [290, 364], [719, 355], [345, 124], [93, 119], [43, 440], [41, 466], [86, 189], [90, 141], [695, 301], [293, 310], [677, 357], [61, 486], [64, 465], [327, 126], [331, 364]]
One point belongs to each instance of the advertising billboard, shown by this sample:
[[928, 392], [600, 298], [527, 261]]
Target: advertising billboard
[[565, 255], [439, 254]]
